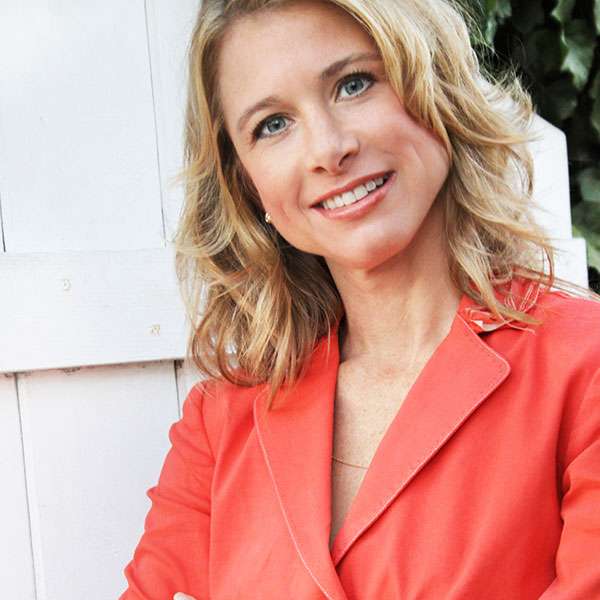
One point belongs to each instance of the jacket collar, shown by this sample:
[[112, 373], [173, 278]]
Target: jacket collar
[[519, 294], [296, 438]]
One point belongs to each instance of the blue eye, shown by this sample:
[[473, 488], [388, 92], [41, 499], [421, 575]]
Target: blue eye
[[266, 125], [355, 83]]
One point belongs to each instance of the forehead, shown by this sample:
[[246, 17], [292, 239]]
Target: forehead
[[264, 52]]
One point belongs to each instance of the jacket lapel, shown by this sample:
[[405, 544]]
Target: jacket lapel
[[296, 440], [462, 372]]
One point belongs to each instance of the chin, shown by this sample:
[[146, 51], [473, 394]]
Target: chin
[[370, 259]]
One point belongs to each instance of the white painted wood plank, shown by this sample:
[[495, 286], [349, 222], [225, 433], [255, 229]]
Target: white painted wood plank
[[169, 29], [571, 261], [551, 193], [77, 133], [16, 565], [110, 308], [2, 245], [89, 308], [95, 440], [187, 376]]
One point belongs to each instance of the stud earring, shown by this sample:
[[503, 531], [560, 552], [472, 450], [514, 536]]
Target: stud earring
[[267, 217]]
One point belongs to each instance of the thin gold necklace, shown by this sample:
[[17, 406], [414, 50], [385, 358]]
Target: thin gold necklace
[[349, 463], [341, 339]]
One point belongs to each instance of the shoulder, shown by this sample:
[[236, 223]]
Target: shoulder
[[568, 320], [570, 336], [221, 409], [213, 393], [561, 352]]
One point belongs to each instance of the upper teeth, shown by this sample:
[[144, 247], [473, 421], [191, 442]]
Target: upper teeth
[[360, 191]]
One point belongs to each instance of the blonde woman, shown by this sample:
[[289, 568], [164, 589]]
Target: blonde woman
[[397, 404]]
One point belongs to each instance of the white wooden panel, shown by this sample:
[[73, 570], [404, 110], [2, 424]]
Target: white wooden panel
[[109, 308], [16, 566], [77, 135], [187, 376], [571, 261], [2, 246], [94, 439], [551, 179], [89, 308], [169, 29]]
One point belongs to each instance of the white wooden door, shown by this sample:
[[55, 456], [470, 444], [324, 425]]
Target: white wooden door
[[91, 112], [92, 328]]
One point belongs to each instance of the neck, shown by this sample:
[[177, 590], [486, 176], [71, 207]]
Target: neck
[[399, 311]]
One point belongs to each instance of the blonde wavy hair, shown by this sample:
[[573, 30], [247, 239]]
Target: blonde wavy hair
[[257, 304]]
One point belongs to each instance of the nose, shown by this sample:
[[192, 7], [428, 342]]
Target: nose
[[330, 144]]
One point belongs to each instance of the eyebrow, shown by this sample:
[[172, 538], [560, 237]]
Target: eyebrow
[[331, 71]]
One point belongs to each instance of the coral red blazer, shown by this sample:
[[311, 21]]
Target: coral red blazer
[[486, 485]]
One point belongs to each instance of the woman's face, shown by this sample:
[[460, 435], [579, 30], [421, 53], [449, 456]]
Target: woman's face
[[313, 119]]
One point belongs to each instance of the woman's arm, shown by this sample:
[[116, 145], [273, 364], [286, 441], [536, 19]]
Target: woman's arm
[[578, 555], [172, 555]]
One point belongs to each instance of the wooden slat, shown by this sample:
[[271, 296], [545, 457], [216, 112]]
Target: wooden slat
[[169, 29], [16, 566], [92, 308], [187, 376], [551, 179], [571, 261], [94, 442], [75, 309], [78, 153]]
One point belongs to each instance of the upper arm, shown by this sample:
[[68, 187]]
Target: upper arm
[[172, 555], [577, 562]]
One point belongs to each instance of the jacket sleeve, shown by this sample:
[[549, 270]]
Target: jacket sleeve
[[172, 555], [578, 554]]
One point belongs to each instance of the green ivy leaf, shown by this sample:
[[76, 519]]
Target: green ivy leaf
[[563, 10], [595, 95], [489, 33], [593, 254], [595, 117], [595, 87], [542, 52], [586, 216], [582, 141], [578, 43], [558, 101], [527, 15], [496, 12], [592, 242], [500, 8], [589, 184]]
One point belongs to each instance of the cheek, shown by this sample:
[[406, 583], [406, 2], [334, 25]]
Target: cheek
[[413, 140], [276, 186], [271, 194], [264, 182]]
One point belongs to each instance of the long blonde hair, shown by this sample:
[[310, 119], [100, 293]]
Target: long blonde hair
[[257, 304]]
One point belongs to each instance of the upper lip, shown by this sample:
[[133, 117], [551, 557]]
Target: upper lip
[[349, 186]]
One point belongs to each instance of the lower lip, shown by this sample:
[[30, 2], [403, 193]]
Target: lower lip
[[360, 207]]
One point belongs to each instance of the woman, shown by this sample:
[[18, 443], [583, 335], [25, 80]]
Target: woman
[[398, 406]]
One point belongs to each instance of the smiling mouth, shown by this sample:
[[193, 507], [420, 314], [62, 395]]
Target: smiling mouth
[[358, 193]]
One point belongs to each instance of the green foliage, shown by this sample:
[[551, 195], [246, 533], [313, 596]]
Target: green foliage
[[555, 47]]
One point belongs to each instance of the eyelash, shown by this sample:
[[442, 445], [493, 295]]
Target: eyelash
[[256, 135]]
